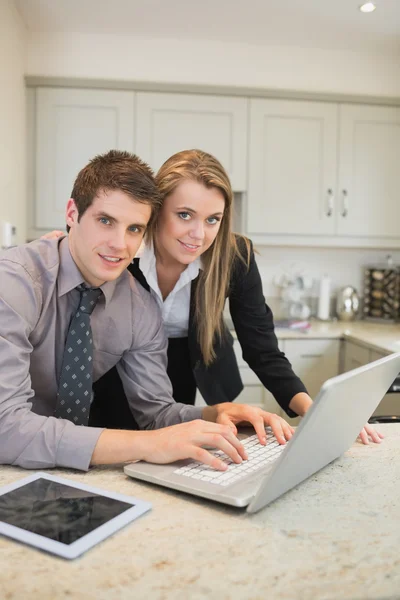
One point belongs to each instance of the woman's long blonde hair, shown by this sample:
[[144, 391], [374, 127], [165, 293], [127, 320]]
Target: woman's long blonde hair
[[217, 261]]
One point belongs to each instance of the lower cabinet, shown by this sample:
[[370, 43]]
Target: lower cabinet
[[355, 356], [314, 361]]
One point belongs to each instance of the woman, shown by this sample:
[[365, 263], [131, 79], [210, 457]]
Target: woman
[[191, 263]]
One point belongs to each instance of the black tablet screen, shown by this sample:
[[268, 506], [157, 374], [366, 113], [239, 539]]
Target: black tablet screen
[[57, 511]]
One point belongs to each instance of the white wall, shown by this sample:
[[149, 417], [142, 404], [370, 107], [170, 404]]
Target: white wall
[[205, 62], [12, 119], [345, 266]]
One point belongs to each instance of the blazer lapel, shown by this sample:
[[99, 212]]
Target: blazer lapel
[[137, 273]]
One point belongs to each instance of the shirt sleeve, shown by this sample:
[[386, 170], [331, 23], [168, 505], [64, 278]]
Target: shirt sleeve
[[143, 372], [254, 325], [27, 439]]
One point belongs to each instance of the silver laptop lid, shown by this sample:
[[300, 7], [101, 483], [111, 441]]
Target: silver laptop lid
[[341, 409]]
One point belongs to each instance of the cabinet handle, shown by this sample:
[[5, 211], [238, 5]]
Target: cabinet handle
[[345, 210], [329, 211], [311, 355]]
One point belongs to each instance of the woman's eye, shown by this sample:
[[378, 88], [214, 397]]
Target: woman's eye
[[212, 220], [184, 215], [134, 229]]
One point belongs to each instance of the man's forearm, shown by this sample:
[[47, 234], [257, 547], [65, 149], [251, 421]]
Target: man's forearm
[[118, 446]]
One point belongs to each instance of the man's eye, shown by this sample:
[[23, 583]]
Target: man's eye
[[104, 220], [184, 215]]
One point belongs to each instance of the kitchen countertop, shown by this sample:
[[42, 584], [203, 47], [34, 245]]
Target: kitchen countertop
[[383, 337], [335, 536]]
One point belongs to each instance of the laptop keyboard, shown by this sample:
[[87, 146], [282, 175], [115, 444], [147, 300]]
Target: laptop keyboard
[[258, 457]]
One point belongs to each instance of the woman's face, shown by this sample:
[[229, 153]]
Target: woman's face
[[189, 221]]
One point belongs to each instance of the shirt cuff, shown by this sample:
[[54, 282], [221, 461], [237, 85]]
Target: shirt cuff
[[76, 446], [190, 413]]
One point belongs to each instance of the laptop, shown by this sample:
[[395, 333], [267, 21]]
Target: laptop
[[332, 424]]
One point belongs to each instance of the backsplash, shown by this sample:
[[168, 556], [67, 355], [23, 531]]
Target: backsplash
[[344, 266]]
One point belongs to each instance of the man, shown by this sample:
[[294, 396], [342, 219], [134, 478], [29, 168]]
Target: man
[[69, 311]]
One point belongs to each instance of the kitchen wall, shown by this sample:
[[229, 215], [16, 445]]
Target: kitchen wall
[[12, 119], [343, 265], [124, 57]]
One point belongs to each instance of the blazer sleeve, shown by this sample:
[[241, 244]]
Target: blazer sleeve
[[254, 325]]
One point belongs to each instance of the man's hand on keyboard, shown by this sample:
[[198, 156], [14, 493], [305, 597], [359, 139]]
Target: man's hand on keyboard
[[187, 440], [231, 414]]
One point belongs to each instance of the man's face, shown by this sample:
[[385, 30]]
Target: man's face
[[106, 238]]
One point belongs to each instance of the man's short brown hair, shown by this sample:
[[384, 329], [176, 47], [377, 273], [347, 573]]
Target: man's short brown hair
[[116, 170]]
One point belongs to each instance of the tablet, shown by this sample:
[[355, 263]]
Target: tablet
[[62, 516]]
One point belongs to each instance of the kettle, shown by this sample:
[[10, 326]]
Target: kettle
[[347, 303]]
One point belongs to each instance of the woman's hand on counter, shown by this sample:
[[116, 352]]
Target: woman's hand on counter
[[228, 413], [370, 433]]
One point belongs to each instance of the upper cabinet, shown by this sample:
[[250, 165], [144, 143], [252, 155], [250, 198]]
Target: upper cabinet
[[168, 123], [313, 173], [323, 173], [72, 126], [369, 175], [292, 167]]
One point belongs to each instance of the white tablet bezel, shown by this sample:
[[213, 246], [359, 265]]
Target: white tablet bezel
[[87, 541]]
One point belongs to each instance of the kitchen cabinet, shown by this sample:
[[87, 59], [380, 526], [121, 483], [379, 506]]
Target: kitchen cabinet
[[296, 150], [369, 176], [355, 356], [254, 392], [168, 123], [292, 167], [313, 173], [72, 126], [314, 361]]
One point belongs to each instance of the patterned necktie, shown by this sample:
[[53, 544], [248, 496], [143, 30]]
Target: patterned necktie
[[75, 387]]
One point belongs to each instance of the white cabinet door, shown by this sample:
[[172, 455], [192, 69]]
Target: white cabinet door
[[369, 174], [72, 126], [314, 361], [169, 123], [292, 167]]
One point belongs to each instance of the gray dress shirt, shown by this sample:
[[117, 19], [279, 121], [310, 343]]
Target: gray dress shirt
[[37, 300]]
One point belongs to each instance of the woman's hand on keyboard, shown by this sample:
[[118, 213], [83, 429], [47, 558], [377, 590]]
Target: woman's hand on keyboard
[[231, 414], [187, 440]]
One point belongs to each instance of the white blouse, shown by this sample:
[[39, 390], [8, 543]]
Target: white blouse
[[176, 307]]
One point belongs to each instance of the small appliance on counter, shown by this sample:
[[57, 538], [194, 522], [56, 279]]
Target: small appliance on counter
[[347, 304], [382, 292]]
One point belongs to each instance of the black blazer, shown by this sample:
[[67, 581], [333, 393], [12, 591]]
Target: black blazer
[[221, 381]]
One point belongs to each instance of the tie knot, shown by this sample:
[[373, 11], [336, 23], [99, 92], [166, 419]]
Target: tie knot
[[89, 297]]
